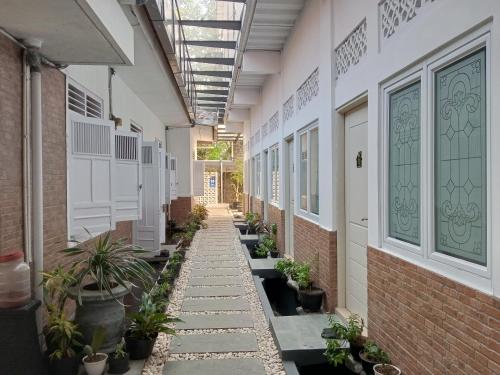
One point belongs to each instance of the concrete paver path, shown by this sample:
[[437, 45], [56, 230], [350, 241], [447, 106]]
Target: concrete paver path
[[224, 330]]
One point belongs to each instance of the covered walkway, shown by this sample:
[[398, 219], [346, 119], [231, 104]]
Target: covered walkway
[[223, 330]]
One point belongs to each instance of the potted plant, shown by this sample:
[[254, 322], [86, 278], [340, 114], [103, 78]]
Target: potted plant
[[95, 362], [104, 272], [145, 326], [261, 251], [63, 340], [310, 298], [200, 212], [119, 360], [285, 267], [386, 369], [253, 220], [337, 352], [372, 355], [352, 332]]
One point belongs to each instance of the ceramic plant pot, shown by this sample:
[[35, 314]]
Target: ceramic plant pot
[[97, 366], [119, 365], [311, 299], [140, 348], [385, 369]]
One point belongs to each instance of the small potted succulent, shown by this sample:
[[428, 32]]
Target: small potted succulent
[[371, 355], [119, 360], [145, 326], [95, 362]]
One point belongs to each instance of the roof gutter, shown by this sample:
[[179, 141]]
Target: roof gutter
[[245, 33]]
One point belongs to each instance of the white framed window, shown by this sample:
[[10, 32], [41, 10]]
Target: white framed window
[[258, 173], [84, 102], [436, 148], [274, 177], [309, 171]]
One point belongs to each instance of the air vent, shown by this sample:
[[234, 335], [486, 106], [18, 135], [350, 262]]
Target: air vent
[[83, 102], [126, 147], [92, 139]]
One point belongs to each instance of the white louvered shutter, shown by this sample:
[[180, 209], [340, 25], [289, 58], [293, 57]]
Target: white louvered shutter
[[128, 175], [198, 178], [91, 175], [163, 218], [173, 178], [167, 178]]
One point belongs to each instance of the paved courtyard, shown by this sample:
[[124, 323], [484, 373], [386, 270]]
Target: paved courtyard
[[223, 329]]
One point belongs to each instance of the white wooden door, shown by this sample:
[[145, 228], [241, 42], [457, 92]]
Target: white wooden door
[[290, 199], [356, 160], [163, 188], [265, 185], [147, 229], [173, 178]]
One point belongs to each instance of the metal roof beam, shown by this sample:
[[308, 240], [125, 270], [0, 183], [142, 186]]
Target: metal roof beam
[[213, 60], [212, 83], [211, 105], [235, 1], [213, 98], [213, 24], [227, 44], [215, 92], [213, 73]]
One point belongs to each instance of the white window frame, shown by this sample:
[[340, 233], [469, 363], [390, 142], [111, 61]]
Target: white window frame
[[306, 213], [274, 185], [258, 176], [469, 273]]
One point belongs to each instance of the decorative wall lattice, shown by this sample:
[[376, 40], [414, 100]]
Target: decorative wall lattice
[[288, 108], [308, 90], [211, 193], [274, 122], [352, 49], [264, 130], [396, 13]]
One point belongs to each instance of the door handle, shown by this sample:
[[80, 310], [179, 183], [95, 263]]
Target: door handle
[[364, 219]]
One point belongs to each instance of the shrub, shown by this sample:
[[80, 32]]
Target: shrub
[[200, 212], [285, 267], [335, 354], [374, 353], [302, 275]]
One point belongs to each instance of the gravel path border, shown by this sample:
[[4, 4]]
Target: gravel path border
[[267, 351]]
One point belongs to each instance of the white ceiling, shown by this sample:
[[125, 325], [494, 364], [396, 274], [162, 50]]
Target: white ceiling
[[70, 34]]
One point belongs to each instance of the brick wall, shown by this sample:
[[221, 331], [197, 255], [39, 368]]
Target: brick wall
[[257, 206], [180, 209], [11, 146], [54, 165], [318, 247], [277, 216], [246, 203], [428, 323]]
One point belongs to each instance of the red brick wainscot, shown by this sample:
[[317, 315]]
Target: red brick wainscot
[[318, 247], [257, 206], [180, 209], [277, 216], [430, 324], [246, 203]]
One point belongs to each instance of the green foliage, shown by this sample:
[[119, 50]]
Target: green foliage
[[302, 275], [120, 350], [285, 266], [253, 221], [106, 262], [200, 212], [237, 180], [335, 354], [55, 287], [98, 338], [350, 332], [219, 151], [261, 251], [374, 353], [150, 320], [63, 337]]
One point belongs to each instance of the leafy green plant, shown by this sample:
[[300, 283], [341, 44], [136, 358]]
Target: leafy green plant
[[351, 332], [335, 353], [120, 350], [56, 284], [98, 338], [374, 353], [261, 251], [200, 212], [285, 266], [302, 275], [108, 263], [150, 320], [63, 337]]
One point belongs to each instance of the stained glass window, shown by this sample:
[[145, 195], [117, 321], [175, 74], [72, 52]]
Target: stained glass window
[[460, 159], [404, 164]]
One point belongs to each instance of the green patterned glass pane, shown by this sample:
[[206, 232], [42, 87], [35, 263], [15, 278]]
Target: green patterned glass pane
[[460, 162], [404, 164]]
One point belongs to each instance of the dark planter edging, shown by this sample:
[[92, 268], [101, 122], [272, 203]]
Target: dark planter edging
[[266, 305]]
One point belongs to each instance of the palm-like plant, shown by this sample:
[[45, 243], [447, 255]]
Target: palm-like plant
[[108, 263], [55, 286], [150, 320]]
